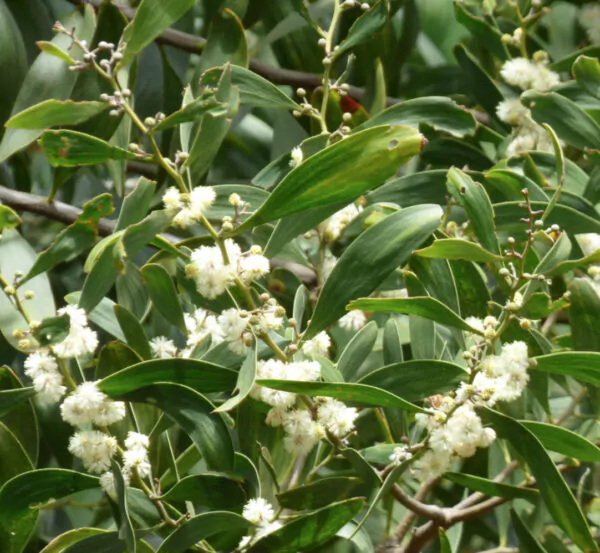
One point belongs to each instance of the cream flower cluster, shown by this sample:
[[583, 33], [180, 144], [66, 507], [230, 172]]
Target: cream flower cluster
[[261, 513], [87, 404], [94, 448], [190, 207], [353, 320], [47, 380], [454, 428], [589, 19], [318, 346], [303, 430], [527, 75], [332, 228], [213, 276], [81, 340]]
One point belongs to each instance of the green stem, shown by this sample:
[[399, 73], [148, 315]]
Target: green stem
[[337, 12]]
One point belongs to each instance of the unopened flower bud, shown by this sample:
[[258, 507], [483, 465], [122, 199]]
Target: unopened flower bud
[[255, 250], [104, 97], [279, 311], [160, 116], [227, 226], [29, 295], [234, 199], [347, 117], [102, 44], [322, 42], [292, 348], [301, 92], [133, 147], [512, 306], [293, 323], [150, 122], [296, 113], [555, 228], [265, 297], [506, 39], [19, 334], [526, 324], [126, 91], [364, 6], [24, 344], [34, 325], [504, 272], [326, 61], [539, 223], [117, 56], [114, 113], [511, 241], [9, 290], [243, 314], [489, 333]]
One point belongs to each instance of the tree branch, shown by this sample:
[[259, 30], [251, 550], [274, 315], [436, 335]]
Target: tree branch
[[277, 75]]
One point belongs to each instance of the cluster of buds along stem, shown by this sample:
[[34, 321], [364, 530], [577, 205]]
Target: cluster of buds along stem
[[116, 101]]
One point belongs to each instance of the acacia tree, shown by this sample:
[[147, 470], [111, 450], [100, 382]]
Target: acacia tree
[[333, 284]]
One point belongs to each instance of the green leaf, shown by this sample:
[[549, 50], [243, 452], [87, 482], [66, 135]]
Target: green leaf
[[52, 330], [20, 495], [356, 394], [136, 204], [211, 490], [583, 366], [102, 315], [424, 187], [364, 28], [255, 91], [565, 64], [357, 350], [455, 248], [163, 293], [310, 530], [367, 262], [106, 542], [490, 37], [245, 382], [569, 121], [586, 71], [562, 440], [134, 332], [557, 496], [193, 111], [47, 78], [75, 149], [125, 527], [319, 493], [198, 375], [584, 315], [75, 239], [391, 346], [8, 217], [60, 543], [509, 184], [427, 307], [440, 112], [17, 255], [225, 43], [152, 17], [14, 459], [340, 172], [491, 488], [473, 197], [416, 380], [193, 412], [56, 51], [201, 527], [527, 543], [9, 399], [55, 113], [477, 80]]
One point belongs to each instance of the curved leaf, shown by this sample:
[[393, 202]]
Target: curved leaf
[[366, 263], [491, 488], [211, 490], [163, 294], [455, 248], [55, 113], [583, 366], [318, 494], [363, 29]]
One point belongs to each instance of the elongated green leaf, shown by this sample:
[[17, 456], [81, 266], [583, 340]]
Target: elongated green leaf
[[571, 123], [508, 185], [48, 77], [55, 113], [438, 111], [357, 394], [554, 490], [583, 366], [226, 42], [527, 542], [60, 543], [245, 382], [17, 255], [8, 218], [586, 71], [133, 331], [9, 399], [489, 36], [311, 530], [152, 17], [193, 111], [202, 527], [391, 346], [198, 375], [255, 91], [56, 51], [357, 350], [30, 489], [318, 494], [584, 315], [340, 173], [491, 488], [416, 380], [427, 307], [565, 64], [364, 28], [366, 263], [75, 239], [454, 248], [473, 197], [426, 187], [14, 459], [125, 527], [194, 413], [211, 490], [106, 542], [136, 204], [74, 149], [445, 545], [164, 296], [562, 440]]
